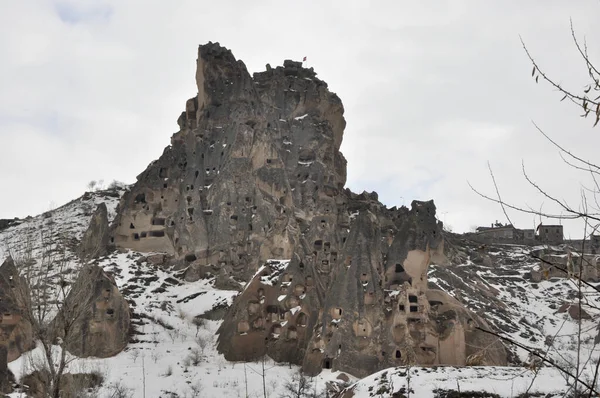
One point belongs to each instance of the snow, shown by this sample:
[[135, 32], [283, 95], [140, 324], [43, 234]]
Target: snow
[[165, 307], [295, 309], [301, 117], [422, 382]]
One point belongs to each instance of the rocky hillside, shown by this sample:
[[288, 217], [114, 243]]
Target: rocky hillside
[[240, 243]]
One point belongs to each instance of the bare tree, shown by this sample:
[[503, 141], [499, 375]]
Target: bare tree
[[297, 386], [43, 291], [586, 211]]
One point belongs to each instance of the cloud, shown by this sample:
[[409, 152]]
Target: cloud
[[432, 91]]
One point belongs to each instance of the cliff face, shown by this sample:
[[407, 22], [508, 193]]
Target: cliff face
[[253, 186]]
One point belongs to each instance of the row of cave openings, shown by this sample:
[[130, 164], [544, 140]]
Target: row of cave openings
[[102, 304], [156, 221]]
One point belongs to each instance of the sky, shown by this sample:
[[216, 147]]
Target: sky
[[432, 90]]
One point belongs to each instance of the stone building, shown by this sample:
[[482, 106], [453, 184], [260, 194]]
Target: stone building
[[550, 234], [497, 233], [595, 243]]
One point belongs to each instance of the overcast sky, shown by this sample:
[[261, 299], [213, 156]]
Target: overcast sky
[[433, 90]]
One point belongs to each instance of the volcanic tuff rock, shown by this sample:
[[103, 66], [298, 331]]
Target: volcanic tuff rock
[[15, 330], [95, 239], [100, 312], [252, 189]]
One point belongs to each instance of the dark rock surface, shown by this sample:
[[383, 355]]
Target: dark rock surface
[[101, 316], [95, 239], [255, 174]]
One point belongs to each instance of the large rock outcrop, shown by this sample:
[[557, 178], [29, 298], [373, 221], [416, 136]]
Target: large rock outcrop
[[100, 313], [15, 329], [95, 239], [252, 186]]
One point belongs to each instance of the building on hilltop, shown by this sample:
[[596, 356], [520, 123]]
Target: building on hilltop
[[550, 234], [507, 233]]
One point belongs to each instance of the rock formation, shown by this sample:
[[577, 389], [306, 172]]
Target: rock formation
[[95, 239], [101, 314], [15, 330], [252, 186]]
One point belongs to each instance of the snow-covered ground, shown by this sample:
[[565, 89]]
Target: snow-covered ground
[[438, 381], [172, 354]]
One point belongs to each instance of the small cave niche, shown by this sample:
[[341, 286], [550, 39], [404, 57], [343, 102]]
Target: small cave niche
[[399, 268], [364, 277], [435, 304], [412, 298], [318, 245], [233, 218], [323, 223], [275, 330], [401, 308], [362, 328], [190, 257], [326, 247], [157, 234], [143, 234], [165, 185], [243, 327], [140, 198], [196, 174], [131, 226], [189, 199], [253, 307], [163, 172], [309, 281], [135, 236], [190, 211], [158, 221], [110, 312], [327, 363], [302, 320], [414, 308], [272, 309], [258, 323], [299, 289], [301, 265], [369, 298], [336, 312], [292, 334], [398, 354]]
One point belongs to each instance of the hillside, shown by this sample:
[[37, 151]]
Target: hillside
[[238, 260]]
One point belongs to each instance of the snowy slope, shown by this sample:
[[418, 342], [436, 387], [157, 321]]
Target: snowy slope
[[441, 381], [171, 354]]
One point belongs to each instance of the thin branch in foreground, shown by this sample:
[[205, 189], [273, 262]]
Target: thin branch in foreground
[[543, 358]]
